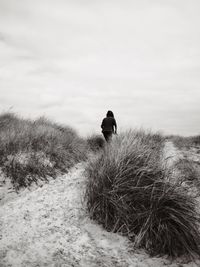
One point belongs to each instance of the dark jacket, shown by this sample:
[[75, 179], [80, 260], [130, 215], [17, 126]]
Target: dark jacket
[[108, 124]]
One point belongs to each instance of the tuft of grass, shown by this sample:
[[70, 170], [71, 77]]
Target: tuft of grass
[[128, 192], [189, 175], [185, 142], [95, 142], [31, 150], [195, 140], [187, 168]]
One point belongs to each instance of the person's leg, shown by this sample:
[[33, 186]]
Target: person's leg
[[107, 136]]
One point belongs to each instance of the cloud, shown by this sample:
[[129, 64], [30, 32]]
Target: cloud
[[73, 60], [49, 100]]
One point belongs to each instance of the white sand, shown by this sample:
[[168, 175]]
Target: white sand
[[50, 227]]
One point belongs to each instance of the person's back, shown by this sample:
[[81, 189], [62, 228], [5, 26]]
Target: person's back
[[109, 125]]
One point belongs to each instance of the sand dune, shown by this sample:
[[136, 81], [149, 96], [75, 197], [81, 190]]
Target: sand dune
[[49, 226]]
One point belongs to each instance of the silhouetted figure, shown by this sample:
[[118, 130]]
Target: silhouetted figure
[[109, 125]]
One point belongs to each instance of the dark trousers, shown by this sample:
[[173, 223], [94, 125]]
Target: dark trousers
[[107, 135]]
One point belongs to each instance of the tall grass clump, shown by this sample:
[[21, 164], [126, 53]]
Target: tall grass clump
[[182, 142], [189, 175], [95, 142], [32, 150], [127, 192], [195, 140]]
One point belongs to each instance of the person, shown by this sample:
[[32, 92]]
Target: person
[[109, 126]]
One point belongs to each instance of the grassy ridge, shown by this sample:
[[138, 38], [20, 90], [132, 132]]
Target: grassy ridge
[[32, 150], [128, 192], [95, 142], [185, 142]]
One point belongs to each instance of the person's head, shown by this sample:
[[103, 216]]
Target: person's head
[[110, 114]]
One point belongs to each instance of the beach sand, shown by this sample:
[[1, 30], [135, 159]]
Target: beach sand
[[49, 226]]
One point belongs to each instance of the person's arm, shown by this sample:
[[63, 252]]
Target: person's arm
[[102, 124], [115, 126]]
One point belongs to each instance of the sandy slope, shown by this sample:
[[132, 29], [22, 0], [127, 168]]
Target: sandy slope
[[171, 154], [50, 227]]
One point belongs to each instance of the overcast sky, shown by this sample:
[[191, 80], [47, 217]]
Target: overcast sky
[[72, 60]]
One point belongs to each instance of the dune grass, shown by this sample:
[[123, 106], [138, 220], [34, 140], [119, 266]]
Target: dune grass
[[128, 191], [95, 142], [189, 175], [185, 142], [32, 150]]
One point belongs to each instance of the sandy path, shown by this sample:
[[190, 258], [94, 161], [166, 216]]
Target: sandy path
[[50, 227], [170, 154]]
